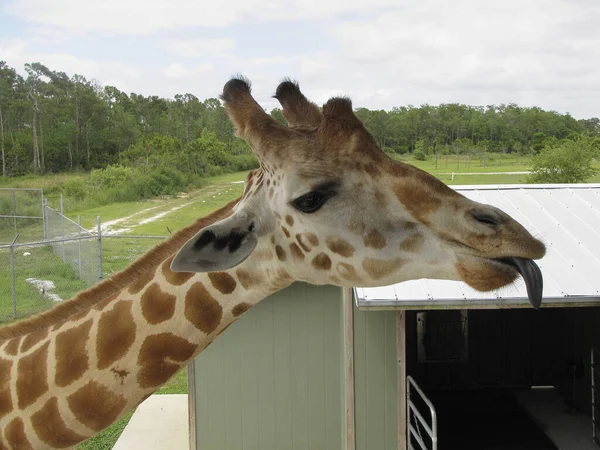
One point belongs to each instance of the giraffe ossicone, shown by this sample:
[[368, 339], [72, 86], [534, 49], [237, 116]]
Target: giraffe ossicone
[[326, 206]]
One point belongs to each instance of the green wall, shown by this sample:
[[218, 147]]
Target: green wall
[[375, 373], [273, 380]]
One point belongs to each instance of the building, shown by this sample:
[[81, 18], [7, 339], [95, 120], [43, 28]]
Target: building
[[324, 368]]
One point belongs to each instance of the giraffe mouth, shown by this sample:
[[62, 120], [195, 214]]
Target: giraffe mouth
[[532, 275]]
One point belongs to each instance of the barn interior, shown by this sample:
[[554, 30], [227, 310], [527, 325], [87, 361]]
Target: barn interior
[[505, 378]]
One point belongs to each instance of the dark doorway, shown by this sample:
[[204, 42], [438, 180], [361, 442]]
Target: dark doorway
[[484, 419]]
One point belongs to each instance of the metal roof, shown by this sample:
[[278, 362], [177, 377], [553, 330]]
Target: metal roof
[[565, 216]]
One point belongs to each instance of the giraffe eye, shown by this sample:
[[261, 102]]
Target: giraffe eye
[[309, 203]]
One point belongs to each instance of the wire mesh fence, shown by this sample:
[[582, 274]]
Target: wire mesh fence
[[35, 274], [21, 212]]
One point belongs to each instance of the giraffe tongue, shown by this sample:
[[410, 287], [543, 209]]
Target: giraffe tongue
[[532, 275]]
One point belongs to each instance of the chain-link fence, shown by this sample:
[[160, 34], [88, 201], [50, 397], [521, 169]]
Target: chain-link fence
[[35, 274], [21, 212]]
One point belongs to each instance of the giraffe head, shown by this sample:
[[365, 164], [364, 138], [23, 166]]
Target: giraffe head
[[333, 208]]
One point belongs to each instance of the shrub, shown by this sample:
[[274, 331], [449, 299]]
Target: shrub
[[567, 161]]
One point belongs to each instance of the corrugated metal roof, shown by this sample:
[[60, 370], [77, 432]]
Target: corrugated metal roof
[[566, 217]]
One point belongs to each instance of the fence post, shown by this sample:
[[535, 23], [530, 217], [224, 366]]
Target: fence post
[[15, 210], [79, 247], [44, 214], [99, 249], [62, 231], [14, 282]]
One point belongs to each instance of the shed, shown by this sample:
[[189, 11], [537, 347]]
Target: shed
[[319, 367]]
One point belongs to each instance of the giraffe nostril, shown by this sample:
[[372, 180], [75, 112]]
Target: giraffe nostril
[[490, 218]]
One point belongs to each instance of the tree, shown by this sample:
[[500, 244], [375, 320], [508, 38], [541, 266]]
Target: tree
[[567, 161]]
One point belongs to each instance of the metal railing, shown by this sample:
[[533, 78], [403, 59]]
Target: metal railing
[[415, 421]]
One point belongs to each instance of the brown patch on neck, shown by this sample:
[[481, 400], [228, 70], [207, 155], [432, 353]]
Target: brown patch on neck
[[32, 339], [51, 428], [157, 306], [142, 281], [6, 404], [340, 246], [380, 268], [289, 220], [297, 254], [116, 334], [202, 309], [321, 261], [240, 309], [374, 240], [32, 382], [12, 347], [280, 253], [15, 434], [247, 279], [161, 356], [307, 241], [86, 299], [71, 355], [348, 272], [95, 405], [222, 282], [412, 243]]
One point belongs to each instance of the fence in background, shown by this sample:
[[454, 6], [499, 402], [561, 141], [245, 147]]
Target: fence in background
[[21, 212], [68, 258]]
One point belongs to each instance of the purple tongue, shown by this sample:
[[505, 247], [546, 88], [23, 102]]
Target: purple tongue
[[532, 275]]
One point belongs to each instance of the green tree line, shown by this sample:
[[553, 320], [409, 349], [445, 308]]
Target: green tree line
[[51, 122]]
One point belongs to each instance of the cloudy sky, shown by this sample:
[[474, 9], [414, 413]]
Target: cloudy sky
[[381, 53]]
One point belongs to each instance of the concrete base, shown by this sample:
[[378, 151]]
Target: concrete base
[[568, 431], [160, 422]]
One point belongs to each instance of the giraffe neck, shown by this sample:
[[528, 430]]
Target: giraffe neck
[[64, 383]]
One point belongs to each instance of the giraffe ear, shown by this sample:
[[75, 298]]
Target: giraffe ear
[[220, 246]]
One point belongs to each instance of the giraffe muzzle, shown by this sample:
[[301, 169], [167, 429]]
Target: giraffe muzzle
[[532, 275]]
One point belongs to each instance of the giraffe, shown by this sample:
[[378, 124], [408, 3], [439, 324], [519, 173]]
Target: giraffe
[[326, 206]]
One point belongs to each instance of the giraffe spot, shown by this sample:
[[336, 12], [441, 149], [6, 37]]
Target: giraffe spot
[[71, 354], [348, 272], [321, 262], [263, 254], [240, 309], [268, 182], [6, 404], [374, 240], [15, 434], [380, 268], [280, 253], [271, 192], [116, 334], [222, 282], [157, 306], [333, 279], [122, 374], [141, 282], [95, 405], [289, 220], [247, 280], [175, 278], [32, 339], [297, 254], [32, 382], [285, 231], [161, 356], [419, 201], [381, 199], [51, 428], [202, 309], [11, 347], [307, 241], [371, 169], [340, 246], [412, 243], [107, 301]]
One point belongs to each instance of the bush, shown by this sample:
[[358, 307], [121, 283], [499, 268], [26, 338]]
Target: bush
[[419, 155], [567, 161]]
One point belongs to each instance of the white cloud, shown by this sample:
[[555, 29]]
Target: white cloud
[[198, 48], [143, 17], [179, 71]]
